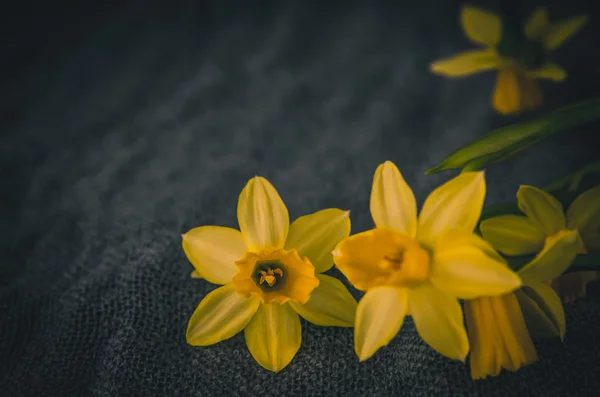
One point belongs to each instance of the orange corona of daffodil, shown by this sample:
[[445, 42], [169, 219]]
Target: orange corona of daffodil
[[271, 274], [544, 219], [520, 57], [500, 327], [421, 266]]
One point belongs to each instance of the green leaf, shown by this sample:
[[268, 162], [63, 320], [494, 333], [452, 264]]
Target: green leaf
[[507, 141]]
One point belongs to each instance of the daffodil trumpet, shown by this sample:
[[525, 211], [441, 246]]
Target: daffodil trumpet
[[501, 328], [271, 273]]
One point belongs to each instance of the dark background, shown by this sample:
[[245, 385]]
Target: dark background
[[125, 124]]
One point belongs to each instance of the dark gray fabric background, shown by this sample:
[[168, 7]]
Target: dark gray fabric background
[[124, 126]]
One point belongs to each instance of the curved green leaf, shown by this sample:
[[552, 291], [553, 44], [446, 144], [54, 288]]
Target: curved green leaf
[[505, 142], [572, 181]]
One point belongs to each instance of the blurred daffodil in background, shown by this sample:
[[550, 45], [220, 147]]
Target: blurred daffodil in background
[[583, 214], [420, 266], [519, 53], [501, 328], [270, 272], [543, 221]]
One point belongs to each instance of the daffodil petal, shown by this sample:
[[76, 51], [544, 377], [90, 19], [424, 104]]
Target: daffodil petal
[[454, 205], [379, 317], [213, 251], [538, 324], [262, 215], [393, 203], [542, 209], [316, 235], [513, 234], [455, 238], [274, 336], [330, 304], [481, 26], [537, 23], [466, 63], [195, 274], [467, 272], [550, 71], [584, 212], [558, 33], [439, 321], [543, 311], [219, 316], [556, 257]]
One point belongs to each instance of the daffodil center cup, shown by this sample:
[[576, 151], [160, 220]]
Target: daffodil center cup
[[408, 263], [275, 276], [269, 276]]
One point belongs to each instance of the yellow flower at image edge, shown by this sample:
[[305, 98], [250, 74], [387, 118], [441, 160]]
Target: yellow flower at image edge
[[421, 266], [500, 328], [543, 221], [519, 61], [271, 274]]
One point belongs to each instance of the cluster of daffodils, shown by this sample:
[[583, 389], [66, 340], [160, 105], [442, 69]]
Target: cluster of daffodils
[[419, 265], [520, 54]]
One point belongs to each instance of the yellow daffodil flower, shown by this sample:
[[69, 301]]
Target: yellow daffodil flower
[[500, 327], [520, 57], [271, 274], [421, 266], [544, 219]]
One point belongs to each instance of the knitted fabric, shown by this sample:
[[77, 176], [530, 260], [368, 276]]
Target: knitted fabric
[[152, 121]]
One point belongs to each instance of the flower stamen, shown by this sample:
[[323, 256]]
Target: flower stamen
[[269, 276], [392, 262]]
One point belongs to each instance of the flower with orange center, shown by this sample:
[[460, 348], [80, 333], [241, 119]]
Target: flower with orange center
[[543, 221], [519, 54], [271, 272], [421, 266]]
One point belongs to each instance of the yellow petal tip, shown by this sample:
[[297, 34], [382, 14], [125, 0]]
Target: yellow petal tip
[[436, 67], [363, 357]]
